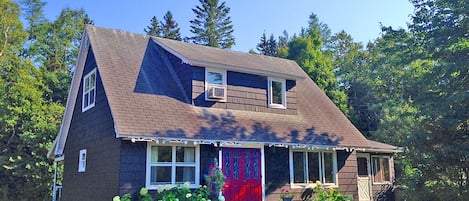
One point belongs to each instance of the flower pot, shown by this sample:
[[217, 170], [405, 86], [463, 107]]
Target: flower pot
[[287, 199]]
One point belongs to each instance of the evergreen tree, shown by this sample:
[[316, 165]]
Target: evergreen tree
[[212, 25], [169, 28], [306, 51], [262, 46], [272, 46], [154, 29]]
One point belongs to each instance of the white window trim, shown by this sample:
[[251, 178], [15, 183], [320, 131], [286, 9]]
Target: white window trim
[[269, 93], [207, 85], [373, 170], [82, 161], [83, 108], [321, 171], [173, 165]]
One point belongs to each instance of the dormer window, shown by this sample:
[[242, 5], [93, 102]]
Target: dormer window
[[215, 85], [89, 90], [276, 93]]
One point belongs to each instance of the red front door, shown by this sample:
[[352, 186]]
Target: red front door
[[242, 169]]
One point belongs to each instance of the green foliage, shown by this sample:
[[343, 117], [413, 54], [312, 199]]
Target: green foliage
[[212, 26], [34, 79], [306, 50], [154, 29], [169, 28], [167, 193], [267, 46], [215, 179], [322, 194]]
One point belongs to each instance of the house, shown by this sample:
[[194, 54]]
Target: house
[[145, 111]]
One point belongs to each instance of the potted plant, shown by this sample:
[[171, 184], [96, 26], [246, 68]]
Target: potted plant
[[285, 195]]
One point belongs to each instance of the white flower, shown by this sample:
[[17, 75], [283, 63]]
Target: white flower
[[167, 187], [221, 198], [186, 185], [188, 195], [160, 188], [116, 198]]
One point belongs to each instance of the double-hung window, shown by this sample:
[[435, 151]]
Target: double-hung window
[[381, 170], [307, 167], [89, 90], [215, 85], [277, 93], [172, 164]]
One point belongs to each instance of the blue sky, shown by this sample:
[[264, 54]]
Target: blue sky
[[360, 18]]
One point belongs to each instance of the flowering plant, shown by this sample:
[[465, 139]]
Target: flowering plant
[[215, 179], [285, 193]]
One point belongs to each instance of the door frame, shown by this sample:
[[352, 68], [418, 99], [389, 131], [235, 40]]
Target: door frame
[[368, 164], [251, 146]]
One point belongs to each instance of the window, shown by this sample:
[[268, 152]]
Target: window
[[172, 164], [82, 161], [89, 90], [215, 85], [276, 93], [307, 167], [381, 171]]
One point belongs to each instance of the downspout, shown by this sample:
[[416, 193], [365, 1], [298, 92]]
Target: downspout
[[54, 191]]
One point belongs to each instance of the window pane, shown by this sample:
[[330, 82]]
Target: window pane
[[185, 154], [87, 84], [160, 175], [91, 96], [214, 78], [185, 174], [298, 167], [313, 166], [92, 80], [164, 154], [85, 99], [276, 88], [376, 170], [362, 166], [248, 165], [385, 165], [328, 168]]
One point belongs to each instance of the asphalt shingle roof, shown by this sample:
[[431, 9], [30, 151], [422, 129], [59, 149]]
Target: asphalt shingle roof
[[120, 58]]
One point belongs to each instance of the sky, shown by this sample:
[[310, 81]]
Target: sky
[[360, 18]]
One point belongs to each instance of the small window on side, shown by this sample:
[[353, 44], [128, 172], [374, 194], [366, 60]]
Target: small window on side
[[82, 161], [277, 93], [89, 90]]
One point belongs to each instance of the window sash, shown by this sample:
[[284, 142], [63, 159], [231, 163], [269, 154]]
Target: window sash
[[381, 169], [179, 172], [89, 90], [307, 167], [277, 93]]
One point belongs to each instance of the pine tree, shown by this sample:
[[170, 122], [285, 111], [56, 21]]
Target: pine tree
[[212, 25], [169, 28], [267, 46], [262, 45], [154, 29]]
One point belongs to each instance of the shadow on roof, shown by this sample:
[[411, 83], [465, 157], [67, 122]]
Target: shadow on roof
[[225, 127]]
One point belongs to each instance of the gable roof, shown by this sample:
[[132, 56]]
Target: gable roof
[[121, 55]]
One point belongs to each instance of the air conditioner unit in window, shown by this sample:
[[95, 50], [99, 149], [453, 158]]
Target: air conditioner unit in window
[[215, 92]]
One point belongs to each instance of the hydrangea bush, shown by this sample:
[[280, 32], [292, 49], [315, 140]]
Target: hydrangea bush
[[168, 193]]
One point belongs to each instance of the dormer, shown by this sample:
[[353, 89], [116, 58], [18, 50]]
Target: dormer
[[235, 80]]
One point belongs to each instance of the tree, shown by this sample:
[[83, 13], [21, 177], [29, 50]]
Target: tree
[[267, 46], [27, 122], [154, 29], [306, 50], [212, 25], [169, 28], [54, 50]]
